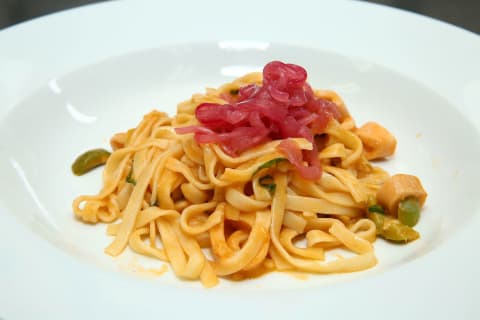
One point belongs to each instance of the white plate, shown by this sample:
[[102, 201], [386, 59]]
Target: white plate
[[70, 80]]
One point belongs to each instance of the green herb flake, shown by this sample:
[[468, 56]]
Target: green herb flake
[[130, 179], [267, 183], [269, 164], [376, 208]]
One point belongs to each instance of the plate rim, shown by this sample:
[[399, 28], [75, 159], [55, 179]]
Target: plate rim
[[103, 306]]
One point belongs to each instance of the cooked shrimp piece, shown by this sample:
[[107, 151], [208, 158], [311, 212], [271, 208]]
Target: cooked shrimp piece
[[399, 187], [377, 141]]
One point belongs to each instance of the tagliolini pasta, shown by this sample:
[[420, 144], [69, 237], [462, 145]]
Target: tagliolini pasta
[[212, 211]]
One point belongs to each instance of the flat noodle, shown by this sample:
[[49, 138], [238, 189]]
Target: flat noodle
[[199, 202]]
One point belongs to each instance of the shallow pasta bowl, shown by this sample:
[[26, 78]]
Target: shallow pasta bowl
[[69, 81]]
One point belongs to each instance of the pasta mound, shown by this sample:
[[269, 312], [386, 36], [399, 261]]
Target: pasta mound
[[211, 214]]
